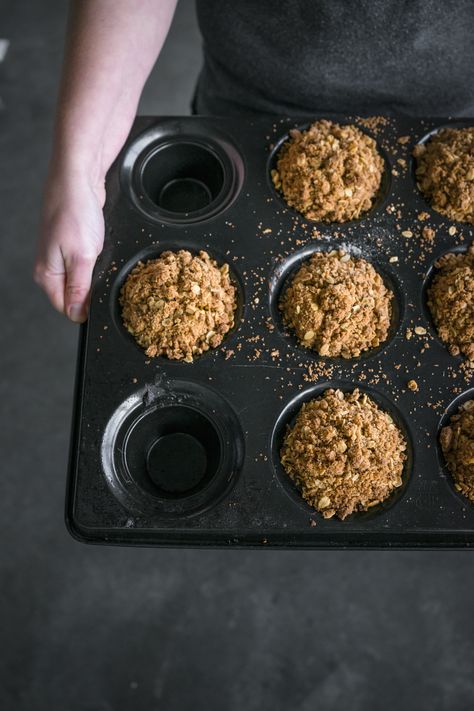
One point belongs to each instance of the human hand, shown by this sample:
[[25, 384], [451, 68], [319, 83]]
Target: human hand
[[72, 236]]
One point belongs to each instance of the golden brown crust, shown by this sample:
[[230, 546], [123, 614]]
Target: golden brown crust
[[344, 453], [445, 172], [337, 305], [329, 172], [178, 305]]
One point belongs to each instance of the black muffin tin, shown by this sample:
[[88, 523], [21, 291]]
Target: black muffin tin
[[186, 454]]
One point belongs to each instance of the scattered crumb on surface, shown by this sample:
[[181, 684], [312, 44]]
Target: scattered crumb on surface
[[423, 216], [428, 234]]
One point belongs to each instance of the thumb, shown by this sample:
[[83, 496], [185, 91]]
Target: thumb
[[78, 281]]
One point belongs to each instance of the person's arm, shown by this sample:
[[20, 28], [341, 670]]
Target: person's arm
[[111, 48]]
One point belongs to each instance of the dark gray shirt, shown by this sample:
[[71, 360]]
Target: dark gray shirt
[[296, 57]]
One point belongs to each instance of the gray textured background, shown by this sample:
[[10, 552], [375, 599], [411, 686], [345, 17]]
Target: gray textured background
[[99, 629]]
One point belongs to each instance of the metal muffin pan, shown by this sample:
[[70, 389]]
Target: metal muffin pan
[[187, 454]]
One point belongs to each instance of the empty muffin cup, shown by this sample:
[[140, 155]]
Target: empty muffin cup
[[177, 475], [176, 178], [173, 449], [182, 177]]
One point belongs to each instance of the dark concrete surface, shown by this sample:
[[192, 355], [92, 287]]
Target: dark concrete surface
[[100, 629]]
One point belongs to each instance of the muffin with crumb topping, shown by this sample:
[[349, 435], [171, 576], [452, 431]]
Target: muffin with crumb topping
[[178, 305], [330, 172], [337, 305], [457, 444], [451, 302], [344, 453], [445, 172]]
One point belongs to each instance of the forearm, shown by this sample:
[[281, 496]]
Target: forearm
[[110, 51]]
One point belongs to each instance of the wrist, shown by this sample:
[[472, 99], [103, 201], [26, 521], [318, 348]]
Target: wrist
[[73, 160], [69, 181]]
